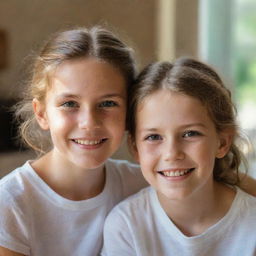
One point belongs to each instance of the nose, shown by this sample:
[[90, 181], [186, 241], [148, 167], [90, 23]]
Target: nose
[[88, 119], [173, 150]]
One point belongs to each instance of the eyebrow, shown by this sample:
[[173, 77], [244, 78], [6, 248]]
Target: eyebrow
[[67, 95], [111, 95], [194, 124], [186, 126]]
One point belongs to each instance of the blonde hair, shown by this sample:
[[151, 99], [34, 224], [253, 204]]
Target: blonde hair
[[193, 78], [95, 42]]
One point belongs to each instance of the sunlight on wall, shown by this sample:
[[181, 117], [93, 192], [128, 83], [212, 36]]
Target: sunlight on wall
[[166, 29]]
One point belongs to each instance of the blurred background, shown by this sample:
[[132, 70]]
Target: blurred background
[[220, 32]]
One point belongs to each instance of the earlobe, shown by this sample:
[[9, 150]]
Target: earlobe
[[226, 139], [40, 114]]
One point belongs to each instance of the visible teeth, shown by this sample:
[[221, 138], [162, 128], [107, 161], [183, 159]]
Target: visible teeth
[[175, 173], [88, 142]]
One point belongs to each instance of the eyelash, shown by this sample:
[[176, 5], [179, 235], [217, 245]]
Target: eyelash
[[189, 134], [153, 137], [104, 104], [108, 104], [69, 104]]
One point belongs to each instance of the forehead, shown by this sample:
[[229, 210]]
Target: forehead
[[88, 73], [167, 108]]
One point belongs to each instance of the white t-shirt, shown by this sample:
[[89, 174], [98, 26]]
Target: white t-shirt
[[34, 220], [140, 227]]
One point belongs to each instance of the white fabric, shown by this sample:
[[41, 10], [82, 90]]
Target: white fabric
[[139, 227], [34, 220]]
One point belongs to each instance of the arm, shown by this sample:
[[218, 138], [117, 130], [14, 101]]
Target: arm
[[248, 184], [7, 252]]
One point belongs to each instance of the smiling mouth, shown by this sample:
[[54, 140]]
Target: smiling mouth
[[176, 173], [89, 142]]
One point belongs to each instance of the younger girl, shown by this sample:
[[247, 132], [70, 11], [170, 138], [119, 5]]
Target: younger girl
[[57, 204], [182, 128]]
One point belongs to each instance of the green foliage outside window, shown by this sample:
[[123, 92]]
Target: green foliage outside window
[[245, 51]]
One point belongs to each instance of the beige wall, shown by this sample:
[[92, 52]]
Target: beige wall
[[29, 22], [186, 34], [177, 28]]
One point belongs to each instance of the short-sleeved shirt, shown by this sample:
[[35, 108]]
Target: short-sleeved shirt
[[139, 226], [35, 220]]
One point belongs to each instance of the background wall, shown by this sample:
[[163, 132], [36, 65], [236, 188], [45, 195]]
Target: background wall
[[29, 22], [187, 28]]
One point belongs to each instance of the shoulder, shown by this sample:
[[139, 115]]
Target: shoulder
[[14, 181], [15, 189], [125, 176], [122, 165], [15, 207], [245, 197], [138, 200], [132, 206], [246, 203], [124, 224], [134, 215]]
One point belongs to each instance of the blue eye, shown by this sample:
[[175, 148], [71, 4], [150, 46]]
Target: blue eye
[[108, 104], [153, 137], [70, 104], [189, 134]]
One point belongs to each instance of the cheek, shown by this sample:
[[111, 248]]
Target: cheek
[[148, 149], [147, 154], [207, 154], [58, 121], [115, 119], [148, 160]]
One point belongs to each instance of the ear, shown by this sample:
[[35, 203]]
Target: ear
[[133, 148], [226, 138], [40, 114]]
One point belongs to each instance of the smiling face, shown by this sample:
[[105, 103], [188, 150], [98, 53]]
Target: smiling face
[[85, 111], [176, 144]]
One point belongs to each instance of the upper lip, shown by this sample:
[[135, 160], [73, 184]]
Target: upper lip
[[92, 138], [89, 140], [174, 172], [173, 169]]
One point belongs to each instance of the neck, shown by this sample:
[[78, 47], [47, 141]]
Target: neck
[[68, 180], [196, 213]]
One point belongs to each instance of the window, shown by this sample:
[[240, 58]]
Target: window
[[228, 42]]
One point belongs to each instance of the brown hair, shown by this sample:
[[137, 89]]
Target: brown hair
[[96, 42], [193, 78]]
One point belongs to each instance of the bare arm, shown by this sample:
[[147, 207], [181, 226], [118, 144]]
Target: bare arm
[[248, 184], [7, 252]]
